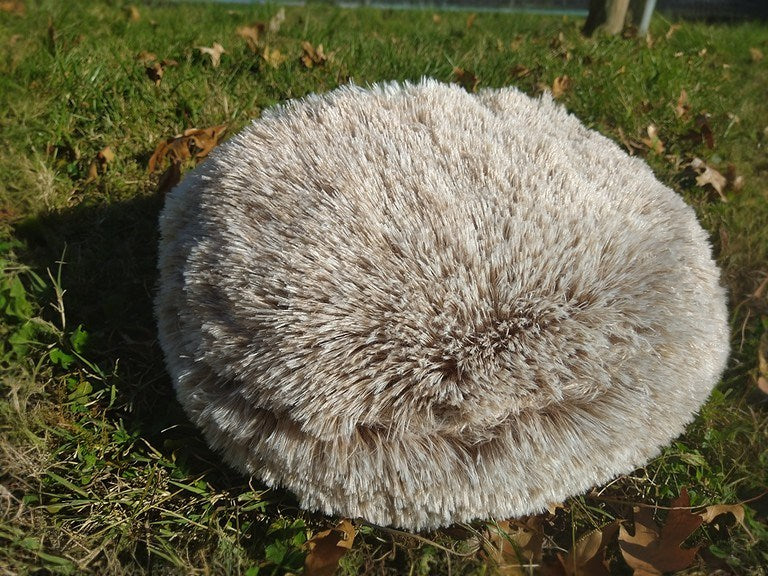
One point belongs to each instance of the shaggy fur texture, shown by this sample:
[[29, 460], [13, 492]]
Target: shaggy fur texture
[[421, 306]]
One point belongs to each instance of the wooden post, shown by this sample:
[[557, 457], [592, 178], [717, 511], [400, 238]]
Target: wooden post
[[611, 14]]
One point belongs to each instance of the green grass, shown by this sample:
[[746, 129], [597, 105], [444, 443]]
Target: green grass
[[101, 473]]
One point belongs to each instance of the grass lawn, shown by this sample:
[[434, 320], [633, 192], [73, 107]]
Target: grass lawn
[[100, 472]]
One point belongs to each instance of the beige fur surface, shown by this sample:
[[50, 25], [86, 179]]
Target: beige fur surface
[[420, 306]]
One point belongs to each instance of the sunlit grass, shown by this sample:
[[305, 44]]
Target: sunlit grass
[[100, 471]]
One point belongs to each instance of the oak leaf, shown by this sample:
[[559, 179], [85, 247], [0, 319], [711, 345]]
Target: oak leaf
[[710, 513], [651, 551], [214, 52], [587, 557], [326, 549], [515, 546], [312, 56]]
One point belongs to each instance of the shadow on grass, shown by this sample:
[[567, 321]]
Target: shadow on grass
[[109, 274]]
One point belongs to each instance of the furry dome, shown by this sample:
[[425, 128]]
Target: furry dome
[[420, 306]]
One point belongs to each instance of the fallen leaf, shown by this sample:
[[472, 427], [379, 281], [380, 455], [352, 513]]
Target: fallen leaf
[[520, 71], [630, 144], [708, 176], [653, 142], [672, 29], [145, 57], [702, 123], [651, 551], [587, 558], [756, 54], [466, 79], [192, 144], [682, 107], [93, 173], [326, 549], [277, 21], [14, 7], [312, 56], [471, 20], [560, 86], [103, 157], [155, 72], [436, 18], [736, 510], [251, 34], [762, 363], [273, 56], [515, 546], [214, 52], [133, 14], [735, 180]]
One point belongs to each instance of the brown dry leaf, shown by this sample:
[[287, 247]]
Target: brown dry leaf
[[735, 180], [762, 363], [756, 54], [145, 57], [466, 79], [193, 143], [133, 14], [672, 29], [214, 52], [630, 144], [13, 6], [560, 86], [155, 72], [683, 108], [705, 130], [312, 56], [516, 545], [471, 20], [652, 551], [251, 34], [154, 68], [93, 173], [326, 549], [709, 176], [436, 18], [653, 142], [736, 510], [520, 71], [277, 21], [103, 157], [587, 558], [273, 56]]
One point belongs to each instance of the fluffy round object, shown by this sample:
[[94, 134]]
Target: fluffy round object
[[420, 306]]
